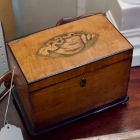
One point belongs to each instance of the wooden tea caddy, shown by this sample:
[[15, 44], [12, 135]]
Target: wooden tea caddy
[[68, 72]]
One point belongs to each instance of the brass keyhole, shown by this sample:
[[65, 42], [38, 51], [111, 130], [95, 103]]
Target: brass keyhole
[[83, 82]]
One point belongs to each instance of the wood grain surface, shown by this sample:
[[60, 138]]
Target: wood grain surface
[[20, 84], [75, 45], [79, 71], [36, 67], [123, 118], [68, 99]]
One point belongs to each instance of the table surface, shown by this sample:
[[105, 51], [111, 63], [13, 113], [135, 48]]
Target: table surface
[[122, 118]]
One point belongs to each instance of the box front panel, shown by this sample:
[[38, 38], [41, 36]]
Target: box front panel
[[68, 99], [79, 71]]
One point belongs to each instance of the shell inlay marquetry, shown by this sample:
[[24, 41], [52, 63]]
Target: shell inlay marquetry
[[67, 44]]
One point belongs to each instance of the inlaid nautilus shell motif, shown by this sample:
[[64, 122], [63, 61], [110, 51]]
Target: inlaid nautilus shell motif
[[67, 44]]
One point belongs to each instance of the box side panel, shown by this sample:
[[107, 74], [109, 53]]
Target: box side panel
[[79, 70], [68, 99], [20, 85]]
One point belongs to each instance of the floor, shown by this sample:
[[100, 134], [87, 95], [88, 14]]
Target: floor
[[122, 118]]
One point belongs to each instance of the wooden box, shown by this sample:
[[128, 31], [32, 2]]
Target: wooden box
[[69, 71]]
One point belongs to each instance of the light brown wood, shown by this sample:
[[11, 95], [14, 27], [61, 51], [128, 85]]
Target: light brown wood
[[49, 77], [35, 67], [79, 71], [20, 85], [68, 99]]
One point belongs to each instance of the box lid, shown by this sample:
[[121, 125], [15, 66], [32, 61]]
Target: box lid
[[58, 52]]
